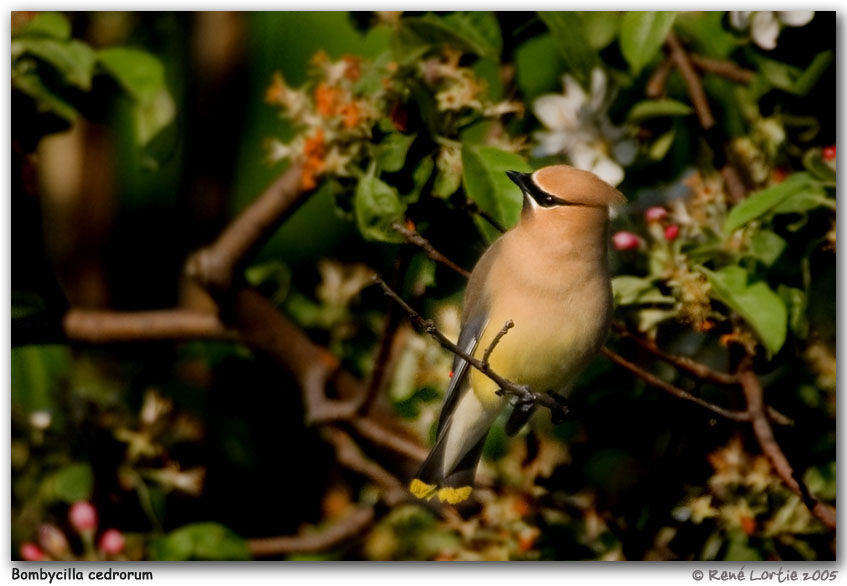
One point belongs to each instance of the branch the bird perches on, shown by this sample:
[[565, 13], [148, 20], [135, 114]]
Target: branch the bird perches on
[[523, 393]]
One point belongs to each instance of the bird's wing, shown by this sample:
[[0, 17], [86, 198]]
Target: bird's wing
[[468, 339], [474, 320]]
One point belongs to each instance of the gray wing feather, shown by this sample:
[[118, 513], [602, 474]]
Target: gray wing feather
[[468, 338]]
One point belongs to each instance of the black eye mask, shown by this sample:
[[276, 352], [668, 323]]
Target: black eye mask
[[528, 186]]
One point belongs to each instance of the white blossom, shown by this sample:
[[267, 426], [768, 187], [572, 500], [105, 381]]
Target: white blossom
[[579, 127], [765, 25]]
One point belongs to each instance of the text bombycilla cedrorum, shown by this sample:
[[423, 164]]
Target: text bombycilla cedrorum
[[549, 275]]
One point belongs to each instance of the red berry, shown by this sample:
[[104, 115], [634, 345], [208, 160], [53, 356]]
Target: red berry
[[829, 153], [671, 232], [655, 214], [112, 542], [625, 240], [83, 516], [31, 552]]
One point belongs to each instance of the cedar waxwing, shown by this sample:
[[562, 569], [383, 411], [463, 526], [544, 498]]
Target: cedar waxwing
[[549, 275]]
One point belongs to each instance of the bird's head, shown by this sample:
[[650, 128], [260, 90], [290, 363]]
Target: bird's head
[[558, 189], [566, 207]]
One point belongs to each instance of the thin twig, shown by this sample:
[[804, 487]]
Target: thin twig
[[673, 390], [692, 81], [503, 331], [698, 369], [413, 237], [734, 184], [379, 435], [724, 68], [471, 206], [753, 392], [522, 392], [351, 526], [350, 456], [656, 84], [377, 377]]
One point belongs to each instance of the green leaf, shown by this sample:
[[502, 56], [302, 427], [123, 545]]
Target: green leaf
[[793, 80], [662, 145], [138, 72], [486, 183], [600, 27], [657, 109], [538, 66], [37, 372], [814, 163], [756, 303], [476, 32], [152, 115], [705, 33], [761, 202], [568, 33], [739, 549], [795, 300], [630, 290], [73, 59], [448, 176], [821, 481], [45, 99], [391, 152], [642, 35], [766, 246], [72, 483], [377, 206], [488, 71], [200, 541], [46, 24], [420, 176]]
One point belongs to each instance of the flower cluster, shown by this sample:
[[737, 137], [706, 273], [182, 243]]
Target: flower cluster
[[335, 114], [53, 544], [746, 499]]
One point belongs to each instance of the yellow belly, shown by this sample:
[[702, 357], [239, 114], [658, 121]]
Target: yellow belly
[[553, 337]]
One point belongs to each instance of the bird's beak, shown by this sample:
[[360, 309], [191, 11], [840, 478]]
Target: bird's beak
[[522, 180]]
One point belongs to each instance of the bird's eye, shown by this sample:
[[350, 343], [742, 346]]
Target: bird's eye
[[548, 201]]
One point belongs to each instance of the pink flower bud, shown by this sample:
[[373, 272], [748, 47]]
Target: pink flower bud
[[83, 516], [655, 214], [52, 540], [112, 542], [671, 232], [829, 153], [625, 240], [31, 552]]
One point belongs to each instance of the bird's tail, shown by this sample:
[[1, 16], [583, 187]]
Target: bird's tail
[[451, 486]]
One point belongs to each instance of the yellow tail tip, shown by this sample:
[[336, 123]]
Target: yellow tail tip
[[421, 489], [453, 496]]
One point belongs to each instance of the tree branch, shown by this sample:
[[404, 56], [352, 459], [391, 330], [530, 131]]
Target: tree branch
[[415, 238], [724, 68], [692, 81], [100, 326], [656, 83], [522, 392], [753, 392], [669, 388], [215, 265], [698, 369], [350, 527]]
